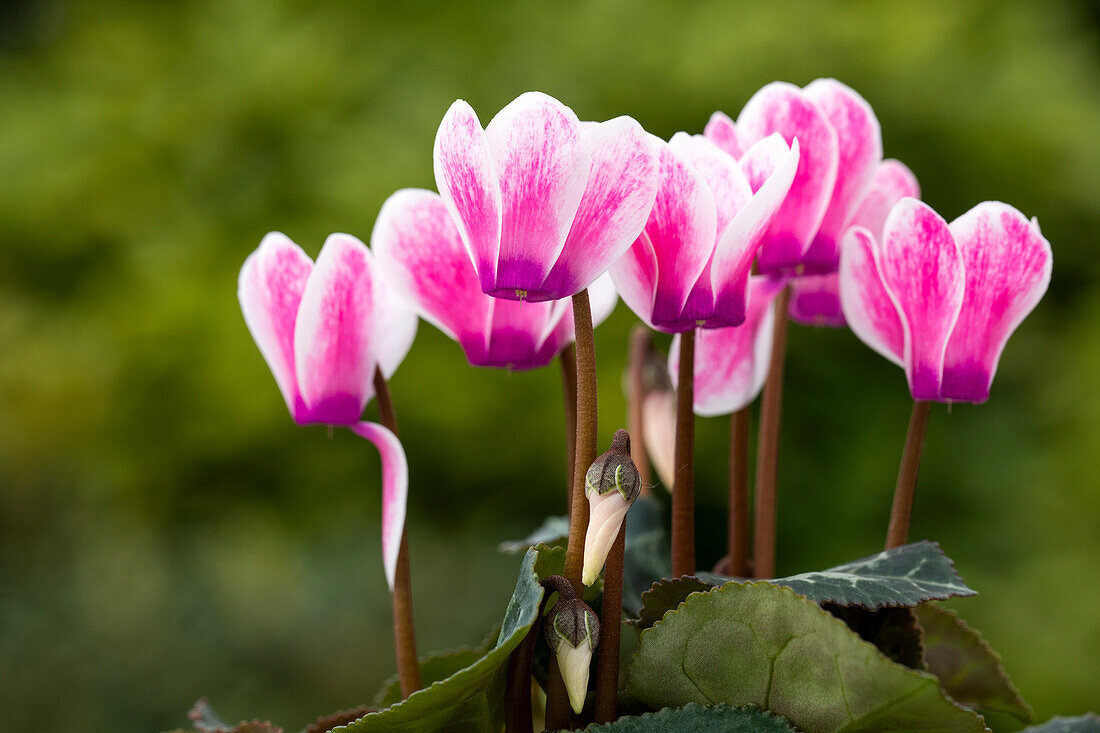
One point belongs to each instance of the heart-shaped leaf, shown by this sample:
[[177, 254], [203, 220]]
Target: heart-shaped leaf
[[970, 671], [433, 668], [759, 644], [1087, 723], [698, 719], [552, 531], [893, 630]]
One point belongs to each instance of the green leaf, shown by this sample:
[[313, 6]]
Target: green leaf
[[969, 670], [1087, 723], [758, 644], [697, 718], [553, 531], [647, 557], [665, 595], [893, 630], [433, 668], [903, 576], [471, 699]]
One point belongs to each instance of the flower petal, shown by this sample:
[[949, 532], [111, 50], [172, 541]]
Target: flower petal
[[470, 187], [616, 204], [270, 290], [332, 336], [922, 269], [731, 364], [394, 328], [518, 334], [722, 131], [786, 109], [542, 164], [602, 296], [659, 431], [420, 252], [867, 307], [815, 301], [859, 141], [1008, 265], [395, 491], [893, 181], [635, 277]]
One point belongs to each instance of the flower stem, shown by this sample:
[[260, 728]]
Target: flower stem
[[517, 692], [898, 531], [404, 632], [683, 489], [611, 617], [568, 359], [738, 530], [767, 457], [640, 344]]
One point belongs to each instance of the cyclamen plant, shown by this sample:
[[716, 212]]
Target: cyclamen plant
[[716, 238]]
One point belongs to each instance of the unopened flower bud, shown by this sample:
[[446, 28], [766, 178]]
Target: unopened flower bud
[[573, 631], [612, 485]]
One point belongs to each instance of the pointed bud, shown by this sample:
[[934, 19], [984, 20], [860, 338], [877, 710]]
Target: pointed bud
[[611, 485], [573, 631]]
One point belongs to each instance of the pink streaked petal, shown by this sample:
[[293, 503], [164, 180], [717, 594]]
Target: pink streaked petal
[[270, 290], [860, 152], [1008, 265], [614, 209], [542, 163], [722, 131], [867, 307], [603, 298], [741, 241], [922, 270], [786, 109], [332, 335], [815, 301], [720, 170], [469, 184], [731, 364], [893, 181], [395, 491], [518, 332], [682, 228], [635, 277], [421, 256]]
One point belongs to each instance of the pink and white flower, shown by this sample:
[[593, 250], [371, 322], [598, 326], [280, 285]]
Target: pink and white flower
[[421, 252], [941, 300], [543, 202], [323, 329]]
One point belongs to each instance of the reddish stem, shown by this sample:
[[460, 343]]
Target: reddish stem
[[611, 617], [683, 490], [738, 530], [640, 345], [767, 460], [898, 531]]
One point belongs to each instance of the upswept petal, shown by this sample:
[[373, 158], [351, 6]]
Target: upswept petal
[[395, 491], [815, 301], [332, 335], [859, 139], [722, 131], [1008, 265], [731, 364], [893, 181], [602, 296], [518, 335], [764, 157], [922, 269], [395, 324], [867, 307], [603, 299], [270, 290], [786, 109], [635, 278], [420, 252], [720, 170], [542, 163], [616, 203], [469, 184]]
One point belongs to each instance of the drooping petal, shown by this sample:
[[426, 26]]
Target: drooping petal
[[518, 335], [922, 269], [395, 491], [1008, 264], [635, 277], [616, 203], [420, 252], [332, 335], [786, 109], [722, 131], [741, 241], [859, 141], [867, 307], [893, 181], [542, 163], [731, 364], [815, 301], [270, 290], [469, 184]]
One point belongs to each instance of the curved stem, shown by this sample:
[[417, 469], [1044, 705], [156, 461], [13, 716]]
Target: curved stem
[[898, 531], [611, 617], [683, 490], [568, 360], [738, 530], [404, 631], [767, 457]]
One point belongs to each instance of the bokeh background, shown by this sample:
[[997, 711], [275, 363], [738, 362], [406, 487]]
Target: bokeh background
[[166, 532]]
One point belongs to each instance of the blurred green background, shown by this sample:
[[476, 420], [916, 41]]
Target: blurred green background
[[167, 532]]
